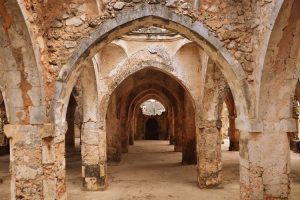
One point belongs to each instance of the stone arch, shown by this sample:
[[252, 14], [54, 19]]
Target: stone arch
[[283, 51], [279, 77], [159, 69], [18, 62], [135, 106], [136, 64], [145, 15], [165, 17], [22, 86], [172, 111]]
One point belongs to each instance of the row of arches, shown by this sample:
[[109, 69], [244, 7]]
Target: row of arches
[[94, 122]]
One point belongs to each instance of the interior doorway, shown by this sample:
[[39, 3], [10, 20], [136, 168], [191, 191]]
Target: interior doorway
[[152, 129]]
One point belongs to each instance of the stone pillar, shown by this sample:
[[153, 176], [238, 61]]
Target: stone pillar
[[251, 184], [131, 139], [171, 140], [264, 166], [171, 128], [234, 135], [189, 142], [178, 143], [178, 137], [124, 137], [26, 160], [94, 158], [188, 150], [54, 162], [209, 165], [130, 129]]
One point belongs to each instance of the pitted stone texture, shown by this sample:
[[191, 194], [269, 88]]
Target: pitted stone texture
[[94, 177], [27, 170]]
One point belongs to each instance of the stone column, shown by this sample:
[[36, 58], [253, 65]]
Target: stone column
[[178, 136], [130, 129], [131, 139], [189, 141], [233, 134], [94, 158], [251, 181], [264, 166], [124, 137], [171, 139], [209, 154], [26, 160], [54, 162], [171, 127]]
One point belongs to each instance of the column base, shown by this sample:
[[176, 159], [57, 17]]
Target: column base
[[94, 177], [214, 180]]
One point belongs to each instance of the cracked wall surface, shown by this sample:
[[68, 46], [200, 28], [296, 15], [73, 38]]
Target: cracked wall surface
[[48, 48]]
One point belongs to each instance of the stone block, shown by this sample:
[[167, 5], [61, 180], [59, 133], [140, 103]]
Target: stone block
[[92, 171], [90, 136], [12, 79], [74, 21], [14, 97], [37, 114], [90, 154], [49, 189], [119, 5], [47, 130], [24, 172], [48, 154], [70, 44]]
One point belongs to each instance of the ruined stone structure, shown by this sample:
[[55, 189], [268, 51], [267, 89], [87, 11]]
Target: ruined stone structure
[[88, 65]]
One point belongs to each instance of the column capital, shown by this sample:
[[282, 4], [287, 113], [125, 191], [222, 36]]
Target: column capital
[[45, 130], [209, 124]]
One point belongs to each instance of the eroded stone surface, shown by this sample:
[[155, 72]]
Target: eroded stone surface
[[53, 49]]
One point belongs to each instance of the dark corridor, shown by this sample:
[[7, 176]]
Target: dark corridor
[[152, 129]]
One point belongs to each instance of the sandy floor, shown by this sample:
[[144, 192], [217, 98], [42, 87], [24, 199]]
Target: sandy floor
[[151, 170]]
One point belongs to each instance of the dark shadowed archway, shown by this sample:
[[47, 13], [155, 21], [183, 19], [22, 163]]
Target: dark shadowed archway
[[152, 129]]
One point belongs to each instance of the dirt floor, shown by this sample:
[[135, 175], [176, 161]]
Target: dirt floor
[[151, 170]]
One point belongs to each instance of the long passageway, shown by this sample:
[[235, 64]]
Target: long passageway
[[152, 170]]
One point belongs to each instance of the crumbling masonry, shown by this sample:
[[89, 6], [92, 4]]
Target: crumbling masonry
[[89, 61]]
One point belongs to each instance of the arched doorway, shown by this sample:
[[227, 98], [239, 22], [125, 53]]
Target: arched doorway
[[166, 86], [152, 129], [154, 117], [67, 79]]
